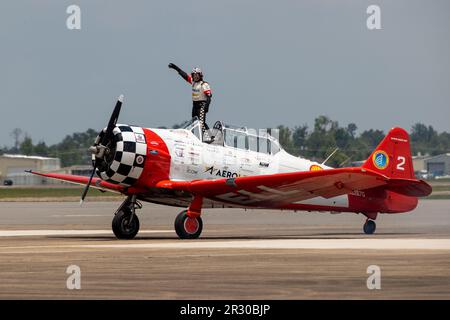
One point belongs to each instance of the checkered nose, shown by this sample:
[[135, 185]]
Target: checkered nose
[[124, 160]]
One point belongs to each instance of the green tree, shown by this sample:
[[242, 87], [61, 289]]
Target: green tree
[[285, 138], [26, 146], [41, 149], [351, 129], [74, 148], [425, 140], [16, 134], [322, 124], [299, 138]]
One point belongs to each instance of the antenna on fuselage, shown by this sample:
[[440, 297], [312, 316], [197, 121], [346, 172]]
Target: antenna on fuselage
[[329, 157]]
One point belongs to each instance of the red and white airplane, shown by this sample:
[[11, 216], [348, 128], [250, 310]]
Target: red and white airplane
[[240, 169]]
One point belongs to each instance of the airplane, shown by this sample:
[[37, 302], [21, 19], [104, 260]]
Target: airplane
[[239, 168]]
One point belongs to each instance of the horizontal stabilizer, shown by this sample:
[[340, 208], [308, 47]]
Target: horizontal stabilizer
[[409, 187]]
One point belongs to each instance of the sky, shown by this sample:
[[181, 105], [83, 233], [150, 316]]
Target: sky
[[268, 63]]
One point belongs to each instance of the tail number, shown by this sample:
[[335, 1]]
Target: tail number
[[401, 162]]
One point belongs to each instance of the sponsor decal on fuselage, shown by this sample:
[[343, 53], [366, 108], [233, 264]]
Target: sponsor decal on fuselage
[[191, 171], [139, 160], [179, 153], [221, 173], [139, 137]]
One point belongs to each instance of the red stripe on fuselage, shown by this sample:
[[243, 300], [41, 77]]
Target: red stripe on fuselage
[[157, 161]]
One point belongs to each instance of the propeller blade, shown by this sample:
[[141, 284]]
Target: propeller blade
[[86, 188], [106, 137], [113, 120]]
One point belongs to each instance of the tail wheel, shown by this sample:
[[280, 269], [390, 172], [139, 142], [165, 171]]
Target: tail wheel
[[369, 227], [187, 227], [124, 225]]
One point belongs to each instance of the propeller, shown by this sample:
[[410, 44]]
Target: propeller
[[100, 146]]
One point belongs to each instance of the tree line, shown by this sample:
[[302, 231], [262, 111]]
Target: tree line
[[327, 135], [72, 150], [315, 143]]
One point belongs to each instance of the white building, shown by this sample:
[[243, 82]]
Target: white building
[[13, 166]]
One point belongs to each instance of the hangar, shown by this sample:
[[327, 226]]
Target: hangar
[[13, 166], [438, 165]]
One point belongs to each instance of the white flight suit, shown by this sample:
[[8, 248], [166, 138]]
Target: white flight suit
[[199, 91]]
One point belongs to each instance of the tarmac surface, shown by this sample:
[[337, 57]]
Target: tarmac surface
[[253, 254]]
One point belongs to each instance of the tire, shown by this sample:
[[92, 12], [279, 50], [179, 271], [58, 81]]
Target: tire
[[369, 227], [120, 225], [186, 227]]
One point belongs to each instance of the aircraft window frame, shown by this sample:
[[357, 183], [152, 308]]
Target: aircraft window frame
[[190, 124], [194, 127], [274, 147], [251, 136], [195, 130], [233, 134], [218, 137], [266, 150], [221, 137]]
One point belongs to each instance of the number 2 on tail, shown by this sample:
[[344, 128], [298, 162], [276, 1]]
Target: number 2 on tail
[[401, 163]]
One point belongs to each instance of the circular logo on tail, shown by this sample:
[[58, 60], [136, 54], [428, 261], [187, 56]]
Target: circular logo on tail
[[380, 159]]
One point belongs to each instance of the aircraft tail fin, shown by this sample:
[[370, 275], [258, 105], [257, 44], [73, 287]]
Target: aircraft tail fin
[[392, 157]]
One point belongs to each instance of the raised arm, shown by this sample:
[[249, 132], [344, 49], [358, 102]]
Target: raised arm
[[183, 74]]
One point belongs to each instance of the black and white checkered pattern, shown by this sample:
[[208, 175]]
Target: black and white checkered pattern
[[129, 157]]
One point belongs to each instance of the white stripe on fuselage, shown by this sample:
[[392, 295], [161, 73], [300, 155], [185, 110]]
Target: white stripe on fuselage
[[191, 159], [339, 201]]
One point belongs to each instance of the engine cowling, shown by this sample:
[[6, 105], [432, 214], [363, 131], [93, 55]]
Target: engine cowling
[[124, 161]]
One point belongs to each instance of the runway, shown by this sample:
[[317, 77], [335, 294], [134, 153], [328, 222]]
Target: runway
[[241, 254]]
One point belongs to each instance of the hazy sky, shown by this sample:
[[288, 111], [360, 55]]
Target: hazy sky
[[268, 63]]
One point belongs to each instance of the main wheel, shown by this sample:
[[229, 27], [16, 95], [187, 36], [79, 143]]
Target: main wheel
[[187, 227], [369, 227], [122, 227]]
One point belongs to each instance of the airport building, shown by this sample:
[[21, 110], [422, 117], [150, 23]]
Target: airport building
[[419, 163], [78, 170], [439, 165], [13, 166]]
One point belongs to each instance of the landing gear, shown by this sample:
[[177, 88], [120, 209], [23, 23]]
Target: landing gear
[[125, 223], [369, 226], [188, 227]]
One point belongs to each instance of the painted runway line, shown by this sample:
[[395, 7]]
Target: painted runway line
[[320, 244], [361, 244], [79, 215], [28, 233], [325, 244]]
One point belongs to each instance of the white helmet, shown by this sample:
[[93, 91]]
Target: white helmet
[[197, 71]]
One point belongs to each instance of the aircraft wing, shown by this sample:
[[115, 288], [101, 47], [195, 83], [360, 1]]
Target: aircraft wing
[[97, 183], [276, 189]]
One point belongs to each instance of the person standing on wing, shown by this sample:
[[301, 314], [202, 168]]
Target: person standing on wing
[[201, 93]]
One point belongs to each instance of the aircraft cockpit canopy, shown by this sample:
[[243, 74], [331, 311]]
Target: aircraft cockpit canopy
[[236, 137]]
